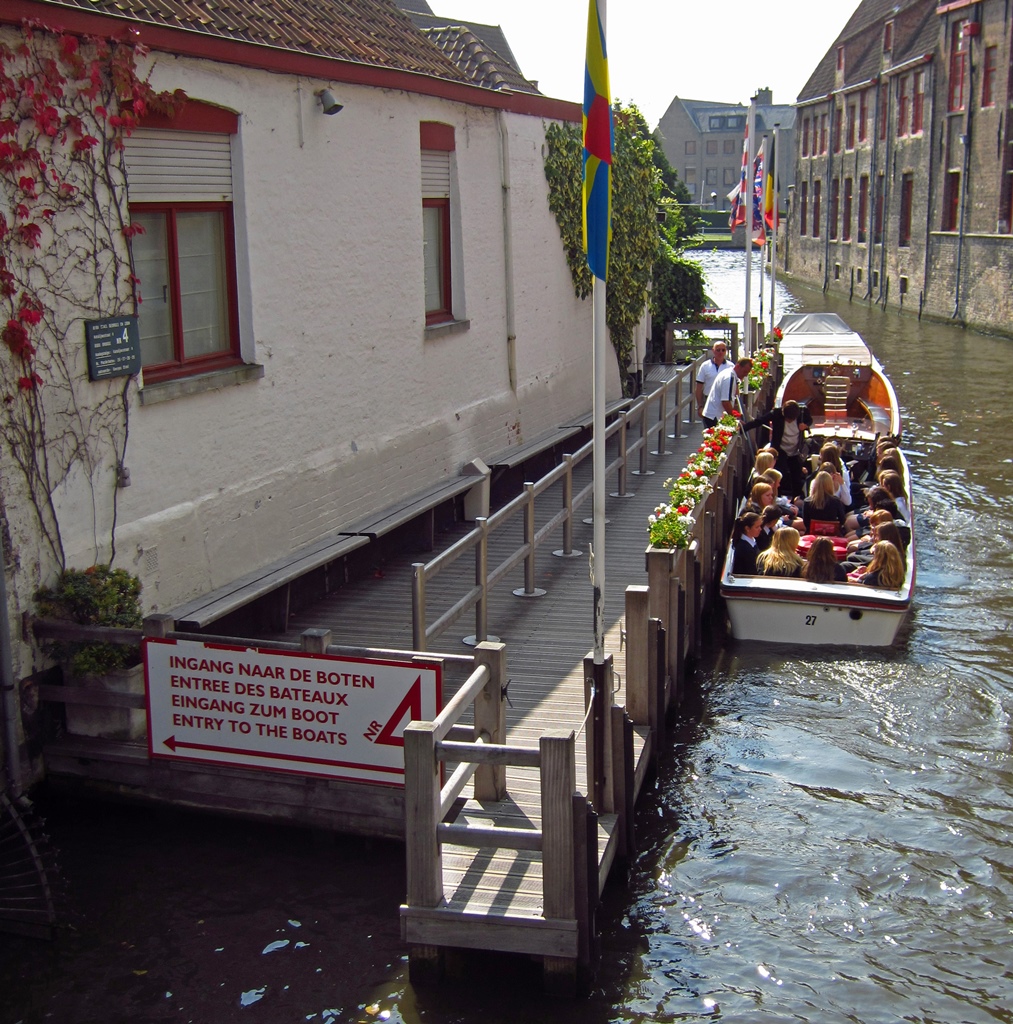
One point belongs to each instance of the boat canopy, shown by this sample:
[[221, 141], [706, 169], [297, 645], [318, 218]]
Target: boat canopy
[[820, 339]]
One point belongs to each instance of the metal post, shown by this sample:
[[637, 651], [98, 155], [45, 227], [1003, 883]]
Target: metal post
[[419, 606], [663, 420], [623, 453], [482, 580], [567, 551], [643, 471], [529, 589]]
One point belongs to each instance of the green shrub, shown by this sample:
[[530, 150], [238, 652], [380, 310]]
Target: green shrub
[[97, 596]]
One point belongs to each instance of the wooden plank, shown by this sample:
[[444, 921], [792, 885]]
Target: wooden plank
[[477, 931]]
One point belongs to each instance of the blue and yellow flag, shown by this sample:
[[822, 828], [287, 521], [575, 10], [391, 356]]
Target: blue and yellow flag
[[598, 143]]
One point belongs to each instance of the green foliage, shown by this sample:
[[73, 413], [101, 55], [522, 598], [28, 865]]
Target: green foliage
[[97, 596], [636, 194]]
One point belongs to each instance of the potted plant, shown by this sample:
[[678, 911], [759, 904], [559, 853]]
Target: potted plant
[[98, 596]]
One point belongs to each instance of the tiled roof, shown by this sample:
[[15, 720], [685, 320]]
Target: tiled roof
[[373, 32], [481, 65], [492, 36], [915, 33]]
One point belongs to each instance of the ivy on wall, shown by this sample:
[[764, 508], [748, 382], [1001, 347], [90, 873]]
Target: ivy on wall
[[637, 243], [66, 106]]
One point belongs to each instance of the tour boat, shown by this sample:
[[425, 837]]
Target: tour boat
[[828, 368]]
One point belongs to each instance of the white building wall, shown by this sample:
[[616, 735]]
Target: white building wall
[[357, 407]]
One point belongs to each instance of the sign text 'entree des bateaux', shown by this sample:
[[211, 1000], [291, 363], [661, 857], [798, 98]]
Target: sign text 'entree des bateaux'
[[285, 711]]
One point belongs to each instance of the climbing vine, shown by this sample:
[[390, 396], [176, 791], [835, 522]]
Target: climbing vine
[[67, 103], [636, 192]]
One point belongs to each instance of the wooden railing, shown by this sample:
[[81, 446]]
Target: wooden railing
[[652, 416]]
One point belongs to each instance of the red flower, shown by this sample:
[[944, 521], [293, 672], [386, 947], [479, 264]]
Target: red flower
[[737, 414], [682, 509]]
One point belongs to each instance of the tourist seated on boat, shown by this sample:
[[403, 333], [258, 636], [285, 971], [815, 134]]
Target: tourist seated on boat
[[840, 488], [764, 460], [823, 507], [772, 520], [883, 528], [832, 454], [788, 426], [822, 566], [744, 543], [893, 482], [781, 558], [761, 495], [857, 523], [773, 477], [885, 570]]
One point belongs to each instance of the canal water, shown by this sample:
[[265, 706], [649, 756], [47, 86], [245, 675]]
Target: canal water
[[827, 839]]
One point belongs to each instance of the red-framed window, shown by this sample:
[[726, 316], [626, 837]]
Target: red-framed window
[[805, 136], [185, 258], [824, 134], [863, 207], [804, 207], [817, 196], [918, 103], [835, 205], [863, 115], [951, 201], [437, 142], [888, 37], [959, 45], [838, 123], [851, 126], [903, 101], [840, 59], [846, 226], [988, 76], [907, 190], [884, 108]]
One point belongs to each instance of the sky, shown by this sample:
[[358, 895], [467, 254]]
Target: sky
[[659, 49]]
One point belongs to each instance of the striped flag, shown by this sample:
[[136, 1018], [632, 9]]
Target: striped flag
[[737, 214], [759, 236], [598, 143], [769, 188]]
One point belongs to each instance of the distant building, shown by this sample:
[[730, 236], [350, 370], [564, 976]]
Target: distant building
[[904, 161], [703, 142]]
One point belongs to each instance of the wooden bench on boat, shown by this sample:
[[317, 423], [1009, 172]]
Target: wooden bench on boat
[[277, 577]]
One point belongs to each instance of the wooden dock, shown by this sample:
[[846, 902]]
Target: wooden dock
[[519, 798]]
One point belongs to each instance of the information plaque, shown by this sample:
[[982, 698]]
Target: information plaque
[[114, 347]]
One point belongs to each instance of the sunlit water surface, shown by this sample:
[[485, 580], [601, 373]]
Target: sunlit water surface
[[827, 840]]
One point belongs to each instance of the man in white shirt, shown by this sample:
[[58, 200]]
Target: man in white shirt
[[709, 369], [724, 392]]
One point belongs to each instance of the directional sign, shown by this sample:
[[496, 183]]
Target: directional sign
[[286, 711]]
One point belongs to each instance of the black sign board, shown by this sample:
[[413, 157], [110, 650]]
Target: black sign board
[[114, 347]]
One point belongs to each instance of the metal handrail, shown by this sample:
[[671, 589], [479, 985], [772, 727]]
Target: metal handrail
[[476, 540]]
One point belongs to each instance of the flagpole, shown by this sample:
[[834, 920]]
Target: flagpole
[[747, 228], [598, 462], [773, 230]]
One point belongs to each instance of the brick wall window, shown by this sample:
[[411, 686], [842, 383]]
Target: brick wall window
[[888, 37], [817, 189], [436, 146], [863, 207], [840, 59], [907, 190], [863, 115], [988, 76], [824, 133], [805, 136], [903, 104], [851, 126], [958, 65], [730, 147], [803, 207], [917, 102], [884, 108], [838, 122], [691, 147], [835, 205], [846, 227], [951, 201], [712, 147]]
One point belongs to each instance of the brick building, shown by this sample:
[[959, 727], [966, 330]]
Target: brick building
[[903, 161]]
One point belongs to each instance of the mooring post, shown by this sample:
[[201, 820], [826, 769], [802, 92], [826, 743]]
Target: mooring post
[[490, 718], [637, 703], [558, 782]]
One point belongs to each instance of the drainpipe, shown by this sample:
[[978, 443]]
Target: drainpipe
[[9, 706], [964, 172], [928, 213], [508, 250]]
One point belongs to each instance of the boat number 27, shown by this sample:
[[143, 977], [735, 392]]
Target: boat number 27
[[810, 620]]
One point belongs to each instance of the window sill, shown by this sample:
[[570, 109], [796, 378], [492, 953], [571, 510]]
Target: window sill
[[215, 380], [442, 330]]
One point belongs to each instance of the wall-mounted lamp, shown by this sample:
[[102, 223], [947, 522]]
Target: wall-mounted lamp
[[328, 102]]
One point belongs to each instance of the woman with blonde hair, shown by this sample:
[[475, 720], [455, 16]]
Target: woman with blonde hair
[[822, 505], [886, 568], [760, 497], [781, 558], [832, 454], [764, 460]]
